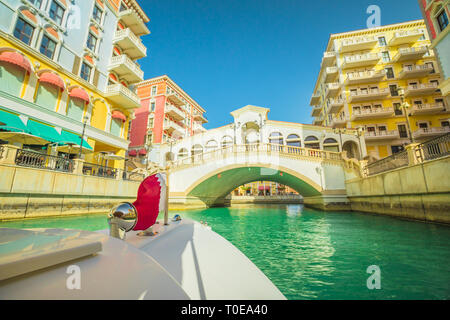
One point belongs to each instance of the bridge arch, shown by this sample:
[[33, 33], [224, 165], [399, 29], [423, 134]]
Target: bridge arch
[[215, 186]]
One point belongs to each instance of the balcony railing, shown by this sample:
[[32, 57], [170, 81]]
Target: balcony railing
[[415, 71], [174, 112], [96, 170], [365, 76], [32, 159], [407, 36], [172, 126], [126, 68], [434, 148], [130, 43], [339, 122], [335, 105], [361, 60], [427, 108], [397, 160], [122, 96], [331, 73], [428, 132], [328, 58], [359, 43], [381, 135], [421, 89], [318, 120], [132, 19], [315, 99], [371, 94], [332, 89], [373, 113], [316, 111], [415, 53]]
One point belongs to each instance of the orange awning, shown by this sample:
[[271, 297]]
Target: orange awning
[[80, 94], [16, 58], [116, 114], [53, 79]]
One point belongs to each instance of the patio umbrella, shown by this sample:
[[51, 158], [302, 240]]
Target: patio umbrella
[[73, 149], [112, 156], [23, 138]]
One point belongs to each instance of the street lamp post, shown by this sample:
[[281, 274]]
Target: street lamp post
[[405, 106], [340, 131], [85, 119]]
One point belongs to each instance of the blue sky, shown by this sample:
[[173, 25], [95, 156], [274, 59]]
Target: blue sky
[[230, 53]]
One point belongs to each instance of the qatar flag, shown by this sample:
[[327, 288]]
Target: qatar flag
[[151, 200]]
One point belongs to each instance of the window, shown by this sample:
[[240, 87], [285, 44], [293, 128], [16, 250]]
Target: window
[[36, 3], [152, 106], [56, 12], [398, 109], [385, 56], [445, 123], [48, 47], [442, 20], [97, 14], [394, 90], [91, 42], [23, 31], [390, 73], [397, 149], [276, 138], [153, 90], [85, 72], [293, 140], [431, 66], [402, 131], [382, 41]]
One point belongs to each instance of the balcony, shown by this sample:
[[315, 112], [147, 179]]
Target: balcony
[[430, 132], [315, 100], [175, 98], [358, 44], [409, 54], [200, 117], [381, 135], [365, 77], [126, 69], [404, 37], [134, 22], [328, 59], [174, 112], [361, 60], [122, 96], [335, 105], [331, 74], [173, 128], [417, 71], [130, 44], [316, 111], [332, 89], [374, 113], [198, 128], [421, 89], [429, 108], [373, 94], [318, 120], [339, 122]]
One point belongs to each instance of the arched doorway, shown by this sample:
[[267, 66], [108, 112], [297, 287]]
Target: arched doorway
[[250, 133], [352, 150]]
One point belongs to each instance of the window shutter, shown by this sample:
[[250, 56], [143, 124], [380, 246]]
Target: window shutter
[[96, 77], [76, 65]]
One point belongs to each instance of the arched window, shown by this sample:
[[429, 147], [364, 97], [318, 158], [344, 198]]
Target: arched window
[[211, 145], [227, 141], [183, 153], [293, 140], [197, 149], [50, 86], [312, 142], [276, 138], [330, 144], [13, 68]]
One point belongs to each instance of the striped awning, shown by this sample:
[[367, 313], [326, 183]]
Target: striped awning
[[17, 59], [11, 122]]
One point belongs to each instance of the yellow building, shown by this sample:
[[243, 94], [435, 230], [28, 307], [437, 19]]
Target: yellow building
[[368, 78], [61, 83]]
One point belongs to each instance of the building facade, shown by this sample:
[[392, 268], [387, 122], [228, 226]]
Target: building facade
[[167, 113], [68, 67], [367, 76], [436, 14], [263, 188]]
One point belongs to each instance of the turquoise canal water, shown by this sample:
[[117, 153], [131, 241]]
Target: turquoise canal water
[[315, 255]]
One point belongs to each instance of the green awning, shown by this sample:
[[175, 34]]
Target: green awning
[[44, 131], [11, 122], [69, 137]]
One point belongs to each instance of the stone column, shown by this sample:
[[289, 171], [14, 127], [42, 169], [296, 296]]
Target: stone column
[[119, 174], [78, 167], [412, 156], [8, 156]]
